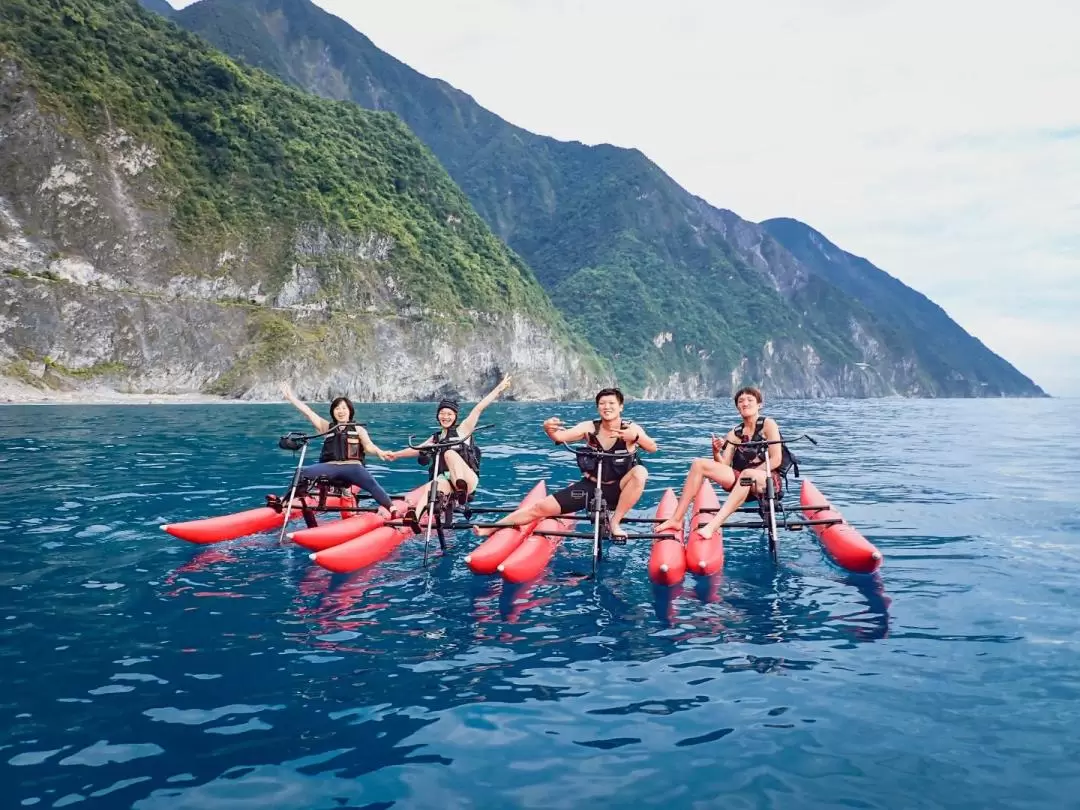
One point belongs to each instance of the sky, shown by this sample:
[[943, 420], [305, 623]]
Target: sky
[[940, 141]]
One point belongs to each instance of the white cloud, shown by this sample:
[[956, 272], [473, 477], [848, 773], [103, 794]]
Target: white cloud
[[941, 141]]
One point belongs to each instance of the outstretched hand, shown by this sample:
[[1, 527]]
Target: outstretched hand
[[503, 384], [388, 455], [552, 424], [287, 391]]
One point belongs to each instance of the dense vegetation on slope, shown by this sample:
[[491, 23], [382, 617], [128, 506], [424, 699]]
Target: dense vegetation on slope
[[626, 254], [612, 238], [158, 6], [240, 152]]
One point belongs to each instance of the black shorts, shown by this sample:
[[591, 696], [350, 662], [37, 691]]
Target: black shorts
[[778, 482], [577, 496]]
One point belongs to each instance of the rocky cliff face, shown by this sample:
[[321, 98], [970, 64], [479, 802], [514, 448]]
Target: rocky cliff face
[[95, 289], [707, 300]]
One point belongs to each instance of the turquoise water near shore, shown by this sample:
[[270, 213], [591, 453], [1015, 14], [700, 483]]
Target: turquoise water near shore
[[141, 671]]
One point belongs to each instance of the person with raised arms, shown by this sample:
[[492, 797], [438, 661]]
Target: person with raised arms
[[344, 448], [459, 468], [732, 463], [623, 478]]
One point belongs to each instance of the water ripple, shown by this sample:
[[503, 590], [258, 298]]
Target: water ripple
[[143, 672]]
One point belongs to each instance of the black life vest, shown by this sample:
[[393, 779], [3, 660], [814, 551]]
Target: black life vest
[[614, 468], [469, 451], [342, 444], [750, 456]]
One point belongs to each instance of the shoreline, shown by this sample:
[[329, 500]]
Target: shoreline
[[118, 398], [14, 392], [109, 397]]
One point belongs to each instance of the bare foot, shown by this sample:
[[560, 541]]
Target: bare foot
[[615, 530], [706, 531], [484, 532]]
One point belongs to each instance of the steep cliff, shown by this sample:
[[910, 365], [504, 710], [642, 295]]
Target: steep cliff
[[910, 322], [686, 299], [172, 222]]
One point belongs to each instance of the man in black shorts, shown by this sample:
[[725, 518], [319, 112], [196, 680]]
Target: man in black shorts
[[622, 479]]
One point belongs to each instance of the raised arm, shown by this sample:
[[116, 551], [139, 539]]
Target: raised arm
[[321, 425], [555, 431], [468, 424]]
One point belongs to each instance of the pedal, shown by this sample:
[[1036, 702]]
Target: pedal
[[796, 527], [617, 541], [411, 520], [274, 502]]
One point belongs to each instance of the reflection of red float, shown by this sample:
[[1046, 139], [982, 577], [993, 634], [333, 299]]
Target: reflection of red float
[[486, 557], [704, 555], [841, 541], [667, 560], [241, 524]]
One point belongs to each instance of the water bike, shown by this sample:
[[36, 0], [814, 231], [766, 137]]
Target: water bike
[[306, 497], [519, 553], [670, 559], [439, 515]]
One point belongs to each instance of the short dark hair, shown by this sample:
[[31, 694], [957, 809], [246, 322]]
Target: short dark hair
[[348, 403], [610, 392], [748, 389]]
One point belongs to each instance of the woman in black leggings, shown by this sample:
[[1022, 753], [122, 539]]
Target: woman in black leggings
[[343, 449]]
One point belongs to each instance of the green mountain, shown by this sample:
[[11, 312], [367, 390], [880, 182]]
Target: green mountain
[[144, 167], [158, 7], [911, 322], [683, 297]]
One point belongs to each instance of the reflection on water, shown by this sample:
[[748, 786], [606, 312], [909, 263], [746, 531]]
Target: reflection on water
[[144, 672]]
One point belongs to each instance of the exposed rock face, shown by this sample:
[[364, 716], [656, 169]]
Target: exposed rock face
[[95, 288], [714, 298], [146, 343]]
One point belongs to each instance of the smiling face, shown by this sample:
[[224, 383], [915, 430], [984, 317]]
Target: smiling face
[[446, 417], [609, 407], [341, 412]]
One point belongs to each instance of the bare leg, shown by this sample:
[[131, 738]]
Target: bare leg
[[459, 471], [738, 496], [630, 488], [701, 469], [548, 507]]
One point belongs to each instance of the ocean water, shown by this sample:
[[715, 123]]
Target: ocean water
[[140, 671]]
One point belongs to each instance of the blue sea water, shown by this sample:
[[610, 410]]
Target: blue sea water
[[141, 671]]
